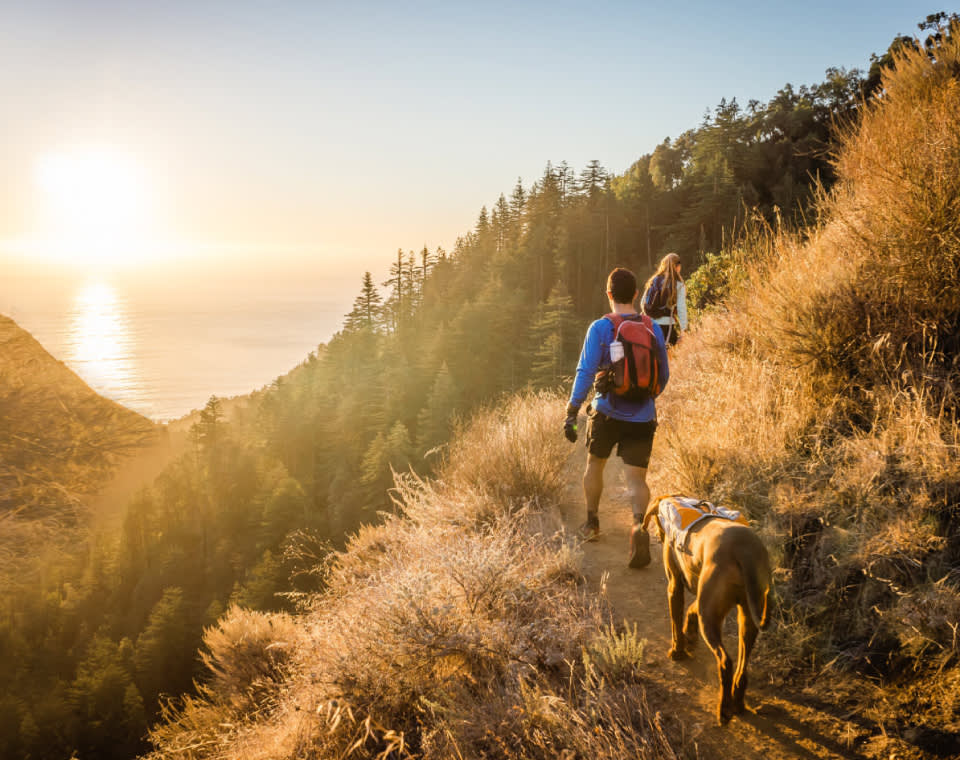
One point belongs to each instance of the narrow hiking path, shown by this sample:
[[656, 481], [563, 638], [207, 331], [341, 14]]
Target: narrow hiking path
[[781, 724]]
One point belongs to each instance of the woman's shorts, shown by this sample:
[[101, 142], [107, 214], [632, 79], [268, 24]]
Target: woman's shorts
[[634, 440]]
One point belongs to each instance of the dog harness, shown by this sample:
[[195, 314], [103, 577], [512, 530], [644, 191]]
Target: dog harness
[[678, 514]]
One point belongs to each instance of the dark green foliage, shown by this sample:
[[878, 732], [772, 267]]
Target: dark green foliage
[[711, 282], [557, 334]]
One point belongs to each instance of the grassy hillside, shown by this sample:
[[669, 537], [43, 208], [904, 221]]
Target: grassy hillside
[[821, 396], [59, 442]]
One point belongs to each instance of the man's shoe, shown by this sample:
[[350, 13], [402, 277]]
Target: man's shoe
[[639, 547], [590, 530]]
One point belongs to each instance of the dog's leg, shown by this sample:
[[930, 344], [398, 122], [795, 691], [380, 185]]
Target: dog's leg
[[712, 614], [748, 635], [675, 591], [691, 625]]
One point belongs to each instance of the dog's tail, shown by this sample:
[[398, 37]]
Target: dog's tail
[[759, 594]]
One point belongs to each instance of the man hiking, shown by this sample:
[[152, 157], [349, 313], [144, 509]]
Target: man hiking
[[623, 412]]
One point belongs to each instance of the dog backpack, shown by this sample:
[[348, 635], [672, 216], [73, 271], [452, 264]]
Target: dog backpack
[[636, 376]]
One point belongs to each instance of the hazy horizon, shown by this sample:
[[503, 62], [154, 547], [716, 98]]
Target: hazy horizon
[[163, 349]]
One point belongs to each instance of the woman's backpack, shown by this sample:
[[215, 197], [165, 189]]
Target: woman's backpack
[[655, 300], [635, 376]]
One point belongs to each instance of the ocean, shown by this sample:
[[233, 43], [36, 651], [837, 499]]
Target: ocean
[[163, 345]]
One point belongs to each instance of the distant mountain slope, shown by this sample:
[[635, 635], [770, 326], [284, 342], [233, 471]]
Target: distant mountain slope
[[59, 439]]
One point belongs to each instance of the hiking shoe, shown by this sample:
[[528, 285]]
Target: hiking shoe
[[590, 530], [639, 547]]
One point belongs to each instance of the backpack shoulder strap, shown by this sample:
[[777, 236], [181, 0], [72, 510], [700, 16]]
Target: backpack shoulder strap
[[648, 324], [654, 290], [618, 319]]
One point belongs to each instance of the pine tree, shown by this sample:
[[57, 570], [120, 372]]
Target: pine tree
[[555, 337], [501, 222], [367, 307], [433, 421], [399, 448], [284, 511], [389, 453], [593, 180], [394, 305], [259, 588], [107, 702], [518, 200], [210, 426], [427, 261], [164, 650]]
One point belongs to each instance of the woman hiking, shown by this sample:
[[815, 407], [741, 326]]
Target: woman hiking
[[665, 299]]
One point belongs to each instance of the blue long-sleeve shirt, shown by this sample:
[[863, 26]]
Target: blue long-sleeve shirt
[[596, 354]]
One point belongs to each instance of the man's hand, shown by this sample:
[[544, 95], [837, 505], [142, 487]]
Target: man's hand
[[570, 424]]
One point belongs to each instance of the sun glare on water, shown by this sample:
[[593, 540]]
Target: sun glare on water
[[100, 345], [92, 207]]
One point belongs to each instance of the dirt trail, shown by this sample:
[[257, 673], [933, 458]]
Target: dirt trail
[[778, 726]]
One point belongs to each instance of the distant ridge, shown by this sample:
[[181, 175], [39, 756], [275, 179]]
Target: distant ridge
[[59, 439]]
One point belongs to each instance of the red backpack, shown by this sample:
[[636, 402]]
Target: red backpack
[[635, 377]]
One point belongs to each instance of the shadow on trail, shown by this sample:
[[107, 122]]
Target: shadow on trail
[[781, 726]]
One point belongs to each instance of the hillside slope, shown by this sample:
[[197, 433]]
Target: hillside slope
[[59, 442], [821, 398]]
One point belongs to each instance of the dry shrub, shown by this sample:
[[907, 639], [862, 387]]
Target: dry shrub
[[248, 655], [460, 610], [589, 718], [512, 451], [928, 620], [615, 654], [874, 292]]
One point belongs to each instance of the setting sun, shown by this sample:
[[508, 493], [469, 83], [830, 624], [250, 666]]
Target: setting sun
[[92, 206]]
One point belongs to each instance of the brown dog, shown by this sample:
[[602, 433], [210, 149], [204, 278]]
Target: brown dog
[[723, 563]]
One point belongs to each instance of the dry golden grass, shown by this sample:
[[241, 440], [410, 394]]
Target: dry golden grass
[[823, 400], [458, 628]]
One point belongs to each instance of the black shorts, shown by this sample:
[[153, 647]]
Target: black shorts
[[634, 439]]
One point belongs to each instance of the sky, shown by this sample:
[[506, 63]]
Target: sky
[[327, 135]]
